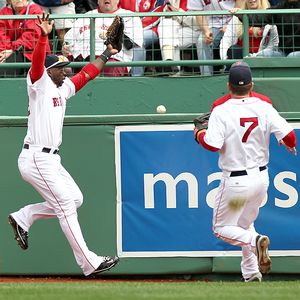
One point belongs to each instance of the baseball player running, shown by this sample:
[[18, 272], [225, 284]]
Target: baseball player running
[[39, 162], [240, 130]]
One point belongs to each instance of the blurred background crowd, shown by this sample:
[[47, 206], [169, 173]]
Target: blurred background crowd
[[172, 37]]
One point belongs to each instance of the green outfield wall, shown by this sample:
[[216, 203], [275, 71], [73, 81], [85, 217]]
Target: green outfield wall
[[88, 153]]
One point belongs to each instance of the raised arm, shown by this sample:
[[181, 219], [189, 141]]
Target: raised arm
[[39, 53], [93, 69]]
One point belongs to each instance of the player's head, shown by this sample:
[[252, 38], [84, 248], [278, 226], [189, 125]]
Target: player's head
[[240, 79], [55, 66]]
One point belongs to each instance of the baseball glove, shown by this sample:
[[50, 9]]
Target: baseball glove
[[115, 33], [200, 123]]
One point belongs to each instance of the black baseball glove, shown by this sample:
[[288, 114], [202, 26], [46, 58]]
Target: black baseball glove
[[115, 33], [201, 123]]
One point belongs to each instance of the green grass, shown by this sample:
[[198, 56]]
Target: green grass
[[281, 290]]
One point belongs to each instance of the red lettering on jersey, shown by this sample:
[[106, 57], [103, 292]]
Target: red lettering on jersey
[[57, 102], [84, 28], [254, 124]]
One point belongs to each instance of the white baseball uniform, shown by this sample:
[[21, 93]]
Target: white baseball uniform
[[78, 37], [40, 165], [241, 129]]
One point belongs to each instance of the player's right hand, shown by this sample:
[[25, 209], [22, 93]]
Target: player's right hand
[[45, 24]]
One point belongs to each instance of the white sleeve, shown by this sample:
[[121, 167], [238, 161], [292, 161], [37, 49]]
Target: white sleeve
[[195, 5], [215, 133], [279, 126], [39, 84], [229, 38], [133, 28], [73, 33], [68, 88]]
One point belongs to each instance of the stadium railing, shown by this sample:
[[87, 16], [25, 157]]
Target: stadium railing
[[150, 63]]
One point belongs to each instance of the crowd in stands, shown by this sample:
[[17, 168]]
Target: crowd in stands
[[167, 38], [263, 40]]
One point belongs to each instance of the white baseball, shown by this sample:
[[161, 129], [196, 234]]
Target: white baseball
[[161, 109]]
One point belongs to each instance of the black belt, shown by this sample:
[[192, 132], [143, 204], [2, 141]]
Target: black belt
[[46, 150], [244, 172]]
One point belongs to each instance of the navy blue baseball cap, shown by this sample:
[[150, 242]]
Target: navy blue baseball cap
[[55, 61], [240, 74]]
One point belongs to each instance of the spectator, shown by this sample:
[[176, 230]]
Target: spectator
[[212, 27], [18, 37], [260, 38], [150, 31], [83, 6], [288, 26], [59, 7], [176, 33], [77, 39]]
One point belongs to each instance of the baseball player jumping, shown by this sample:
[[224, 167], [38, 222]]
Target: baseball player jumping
[[39, 162], [240, 130]]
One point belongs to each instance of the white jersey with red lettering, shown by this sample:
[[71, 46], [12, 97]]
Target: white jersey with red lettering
[[212, 5], [78, 37], [241, 128], [46, 110]]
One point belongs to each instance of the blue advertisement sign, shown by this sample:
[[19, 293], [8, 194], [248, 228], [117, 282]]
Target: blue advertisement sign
[[166, 185]]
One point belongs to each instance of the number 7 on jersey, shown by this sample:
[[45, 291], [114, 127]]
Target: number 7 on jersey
[[254, 123]]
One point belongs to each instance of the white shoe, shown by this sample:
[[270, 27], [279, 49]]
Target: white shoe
[[254, 277]]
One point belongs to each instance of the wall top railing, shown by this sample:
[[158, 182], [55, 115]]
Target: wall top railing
[[158, 14]]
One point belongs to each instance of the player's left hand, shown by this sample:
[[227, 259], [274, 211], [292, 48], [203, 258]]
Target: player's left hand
[[115, 35], [112, 50]]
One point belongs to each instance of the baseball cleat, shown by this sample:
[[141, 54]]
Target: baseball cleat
[[263, 258], [254, 277], [21, 236], [107, 264]]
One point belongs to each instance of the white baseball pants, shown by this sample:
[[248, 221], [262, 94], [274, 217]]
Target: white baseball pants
[[62, 197], [236, 208]]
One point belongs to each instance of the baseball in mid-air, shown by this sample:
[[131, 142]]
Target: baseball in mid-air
[[161, 109]]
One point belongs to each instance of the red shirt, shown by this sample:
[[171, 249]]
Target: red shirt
[[15, 34], [145, 6], [226, 97], [254, 42]]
